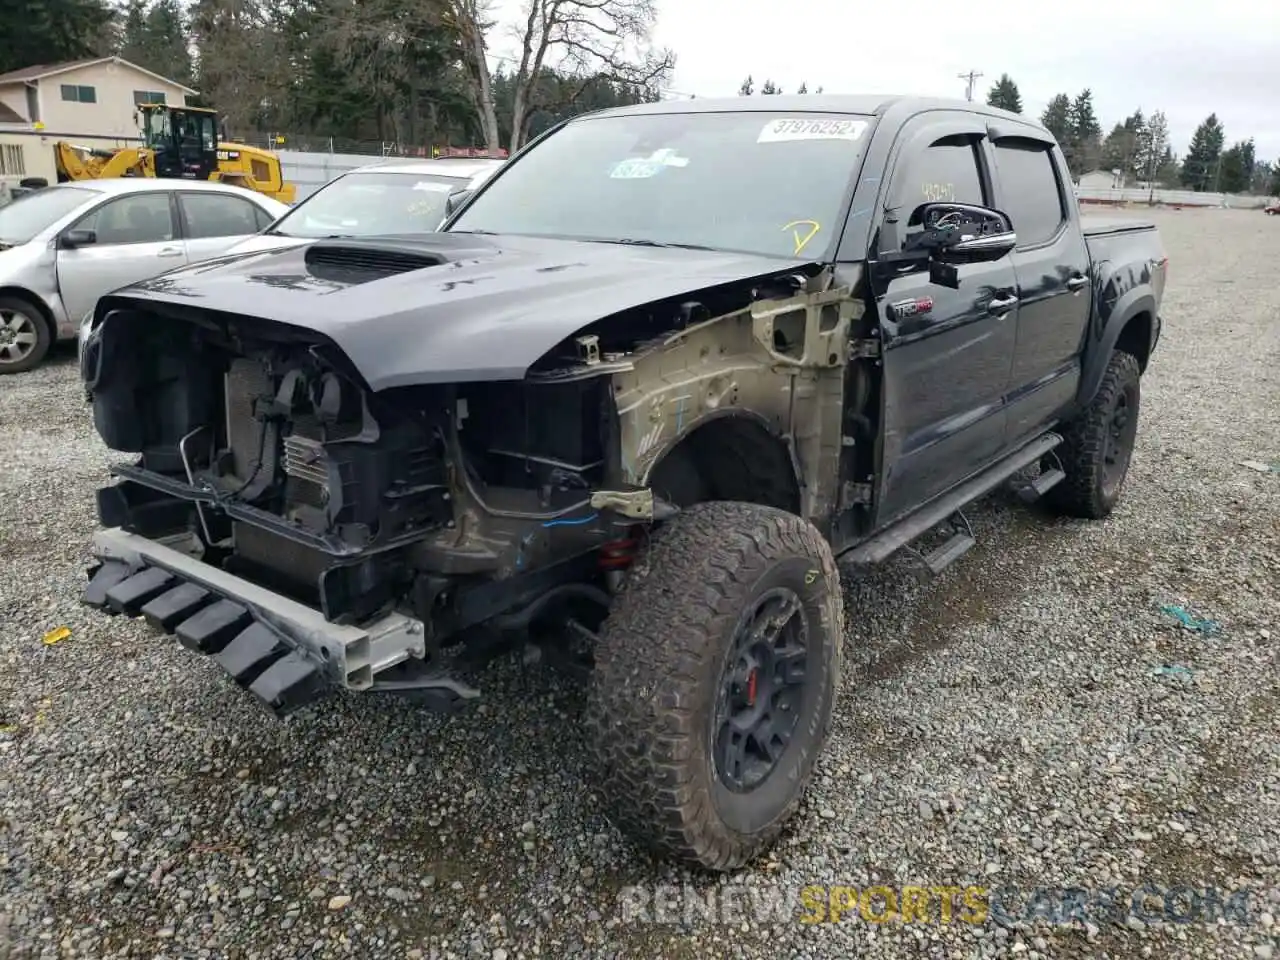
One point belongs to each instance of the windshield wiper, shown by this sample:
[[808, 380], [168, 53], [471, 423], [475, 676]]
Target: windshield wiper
[[633, 242]]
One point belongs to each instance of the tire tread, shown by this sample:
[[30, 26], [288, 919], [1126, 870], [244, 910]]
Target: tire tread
[[651, 662]]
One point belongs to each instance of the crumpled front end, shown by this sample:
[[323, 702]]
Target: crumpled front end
[[285, 653], [309, 534]]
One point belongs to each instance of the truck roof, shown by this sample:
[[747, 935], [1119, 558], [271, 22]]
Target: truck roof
[[876, 105]]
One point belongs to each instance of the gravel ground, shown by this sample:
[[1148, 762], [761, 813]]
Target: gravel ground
[[1029, 719]]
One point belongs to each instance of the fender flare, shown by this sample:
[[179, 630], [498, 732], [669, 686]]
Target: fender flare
[[1137, 301]]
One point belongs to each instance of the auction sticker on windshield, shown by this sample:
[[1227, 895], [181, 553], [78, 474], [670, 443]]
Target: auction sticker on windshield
[[781, 131], [638, 168]]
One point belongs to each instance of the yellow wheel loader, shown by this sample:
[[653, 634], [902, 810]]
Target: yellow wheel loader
[[178, 142]]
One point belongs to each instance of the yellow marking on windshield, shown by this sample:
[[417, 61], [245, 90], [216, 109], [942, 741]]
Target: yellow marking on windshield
[[802, 239]]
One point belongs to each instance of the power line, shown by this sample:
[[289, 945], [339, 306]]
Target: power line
[[970, 77]]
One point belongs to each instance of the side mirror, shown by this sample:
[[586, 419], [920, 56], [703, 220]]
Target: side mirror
[[77, 238], [962, 232], [456, 200], [952, 234]]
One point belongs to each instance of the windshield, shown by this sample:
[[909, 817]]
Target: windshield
[[196, 133], [371, 204], [762, 183], [34, 212], [156, 130]]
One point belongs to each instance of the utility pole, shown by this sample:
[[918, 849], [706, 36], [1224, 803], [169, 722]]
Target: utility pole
[[969, 77]]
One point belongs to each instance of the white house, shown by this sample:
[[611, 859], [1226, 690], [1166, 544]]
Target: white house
[[89, 102]]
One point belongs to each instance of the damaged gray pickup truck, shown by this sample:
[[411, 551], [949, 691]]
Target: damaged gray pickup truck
[[649, 384]]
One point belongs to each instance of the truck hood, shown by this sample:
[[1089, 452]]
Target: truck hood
[[489, 311], [265, 241]]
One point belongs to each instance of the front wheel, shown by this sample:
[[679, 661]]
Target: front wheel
[[1098, 444], [714, 682], [24, 336]]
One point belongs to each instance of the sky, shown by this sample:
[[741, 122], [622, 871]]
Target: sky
[[1187, 59]]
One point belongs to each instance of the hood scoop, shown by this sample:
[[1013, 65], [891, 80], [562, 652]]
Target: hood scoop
[[360, 261]]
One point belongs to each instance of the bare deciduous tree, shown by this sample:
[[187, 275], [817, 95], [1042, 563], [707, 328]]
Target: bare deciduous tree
[[586, 39], [242, 64], [470, 18]]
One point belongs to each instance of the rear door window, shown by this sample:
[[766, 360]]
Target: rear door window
[[216, 215], [1031, 189]]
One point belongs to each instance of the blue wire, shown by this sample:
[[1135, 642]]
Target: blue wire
[[571, 523]]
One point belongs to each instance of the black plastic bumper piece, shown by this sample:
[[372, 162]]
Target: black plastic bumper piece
[[259, 657]]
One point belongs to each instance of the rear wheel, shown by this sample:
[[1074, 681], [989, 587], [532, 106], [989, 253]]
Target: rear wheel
[[24, 336], [1098, 445], [714, 681]]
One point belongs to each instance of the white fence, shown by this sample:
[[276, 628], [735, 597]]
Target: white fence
[[1189, 198], [308, 172]]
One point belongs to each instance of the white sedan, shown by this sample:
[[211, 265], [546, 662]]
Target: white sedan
[[381, 199], [63, 247]]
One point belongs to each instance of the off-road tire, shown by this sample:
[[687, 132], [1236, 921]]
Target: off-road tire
[[1086, 491], [38, 324], [659, 669]]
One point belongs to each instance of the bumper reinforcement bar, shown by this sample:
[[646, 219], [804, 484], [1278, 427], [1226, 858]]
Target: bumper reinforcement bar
[[285, 653]]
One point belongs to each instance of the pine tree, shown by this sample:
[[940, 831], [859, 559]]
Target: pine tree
[[1057, 118], [1169, 172], [154, 36], [53, 30], [133, 37], [1004, 94], [769, 89], [1236, 167], [1262, 174], [1083, 146], [1200, 168], [747, 87], [804, 87], [1125, 148], [168, 36]]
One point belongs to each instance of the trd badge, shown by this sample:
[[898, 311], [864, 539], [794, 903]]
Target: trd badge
[[915, 307]]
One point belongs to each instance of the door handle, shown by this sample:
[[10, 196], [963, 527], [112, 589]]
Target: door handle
[[1075, 283], [170, 252], [997, 306]]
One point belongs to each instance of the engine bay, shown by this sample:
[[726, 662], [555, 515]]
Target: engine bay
[[269, 450]]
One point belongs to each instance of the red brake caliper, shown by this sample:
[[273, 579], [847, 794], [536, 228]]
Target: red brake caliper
[[751, 686]]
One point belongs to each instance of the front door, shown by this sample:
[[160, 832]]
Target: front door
[[946, 353], [135, 238]]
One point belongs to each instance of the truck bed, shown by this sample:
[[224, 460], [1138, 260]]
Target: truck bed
[[1096, 225]]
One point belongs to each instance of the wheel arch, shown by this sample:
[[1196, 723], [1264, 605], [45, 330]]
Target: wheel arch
[[41, 308], [1129, 328], [729, 454]]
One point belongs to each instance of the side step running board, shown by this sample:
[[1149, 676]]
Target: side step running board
[[889, 541], [957, 545], [1041, 485]]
